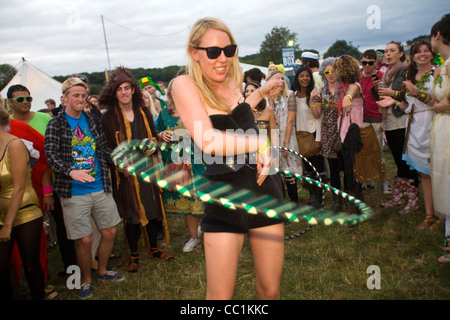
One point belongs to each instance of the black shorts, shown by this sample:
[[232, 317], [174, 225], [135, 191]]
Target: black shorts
[[220, 219]]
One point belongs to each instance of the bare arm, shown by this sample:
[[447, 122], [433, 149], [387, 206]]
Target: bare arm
[[192, 113], [18, 159]]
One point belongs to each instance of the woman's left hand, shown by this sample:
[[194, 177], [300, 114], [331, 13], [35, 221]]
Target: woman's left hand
[[346, 105], [263, 166], [5, 234], [386, 101]]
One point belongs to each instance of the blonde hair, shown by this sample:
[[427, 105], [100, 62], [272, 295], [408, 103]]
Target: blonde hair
[[234, 76], [170, 103], [283, 94], [152, 105], [72, 82]]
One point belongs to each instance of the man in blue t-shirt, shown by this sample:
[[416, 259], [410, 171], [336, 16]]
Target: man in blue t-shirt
[[76, 150]]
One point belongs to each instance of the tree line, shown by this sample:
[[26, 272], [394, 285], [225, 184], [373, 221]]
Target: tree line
[[270, 50]]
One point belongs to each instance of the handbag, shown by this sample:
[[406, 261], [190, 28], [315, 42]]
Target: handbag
[[337, 145], [306, 143]]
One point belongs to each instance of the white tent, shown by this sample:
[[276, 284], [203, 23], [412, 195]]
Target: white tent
[[40, 85]]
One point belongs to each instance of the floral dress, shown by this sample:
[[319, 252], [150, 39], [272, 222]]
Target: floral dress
[[329, 125], [292, 162], [175, 203]]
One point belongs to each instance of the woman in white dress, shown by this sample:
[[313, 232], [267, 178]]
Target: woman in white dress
[[288, 161], [416, 150], [440, 131]]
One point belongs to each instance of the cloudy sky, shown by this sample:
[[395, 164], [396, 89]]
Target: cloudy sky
[[66, 37]]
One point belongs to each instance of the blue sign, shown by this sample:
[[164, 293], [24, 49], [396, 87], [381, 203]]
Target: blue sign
[[288, 55]]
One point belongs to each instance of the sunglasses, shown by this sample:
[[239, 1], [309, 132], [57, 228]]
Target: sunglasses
[[22, 99], [215, 52], [328, 72], [365, 63]]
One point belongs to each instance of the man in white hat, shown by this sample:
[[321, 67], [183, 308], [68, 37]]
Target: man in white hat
[[311, 60]]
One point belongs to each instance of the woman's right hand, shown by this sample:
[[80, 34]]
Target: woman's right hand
[[166, 136], [272, 87]]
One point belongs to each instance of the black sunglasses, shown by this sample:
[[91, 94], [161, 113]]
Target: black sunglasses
[[370, 63], [22, 99], [215, 52]]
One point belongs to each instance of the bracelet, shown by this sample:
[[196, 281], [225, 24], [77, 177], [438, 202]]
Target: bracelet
[[351, 98], [47, 190], [424, 97], [313, 106], [264, 148], [50, 194]]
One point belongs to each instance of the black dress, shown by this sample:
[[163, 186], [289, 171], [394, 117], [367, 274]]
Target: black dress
[[218, 218]]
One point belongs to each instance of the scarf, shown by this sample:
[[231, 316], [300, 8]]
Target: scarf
[[123, 134], [389, 76]]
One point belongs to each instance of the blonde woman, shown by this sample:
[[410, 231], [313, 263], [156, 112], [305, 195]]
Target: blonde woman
[[210, 103], [148, 102], [288, 161]]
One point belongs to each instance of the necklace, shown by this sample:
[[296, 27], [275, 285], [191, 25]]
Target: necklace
[[258, 113]]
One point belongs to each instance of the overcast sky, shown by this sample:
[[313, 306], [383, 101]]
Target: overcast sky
[[66, 37]]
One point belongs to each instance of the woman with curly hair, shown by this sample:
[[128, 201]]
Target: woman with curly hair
[[350, 111]]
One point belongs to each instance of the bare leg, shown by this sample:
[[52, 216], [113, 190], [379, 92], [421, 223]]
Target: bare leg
[[84, 258], [192, 224], [104, 248], [267, 246], [427, 194], [222, 251]]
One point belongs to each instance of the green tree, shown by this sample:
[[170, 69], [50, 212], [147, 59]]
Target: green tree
[[341, 47], [7, 72], [270, 49]]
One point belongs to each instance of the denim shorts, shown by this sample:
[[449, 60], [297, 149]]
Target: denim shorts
[[77, 211]]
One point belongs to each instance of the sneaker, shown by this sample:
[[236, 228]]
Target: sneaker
[[386, 188], [85, 291], [199, 231], [50, 292], [190, 245], [111, 276]]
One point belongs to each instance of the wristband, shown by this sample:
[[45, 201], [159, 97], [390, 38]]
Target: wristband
[[47, 190], [264, 148], [351, 98], [313, 106]]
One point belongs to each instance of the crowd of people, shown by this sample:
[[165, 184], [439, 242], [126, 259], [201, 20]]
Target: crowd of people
[[340, 114]]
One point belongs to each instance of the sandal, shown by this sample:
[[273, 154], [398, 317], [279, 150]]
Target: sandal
[[444, 258], [133, 266], [436, 224], [428, 222], [159, 254]]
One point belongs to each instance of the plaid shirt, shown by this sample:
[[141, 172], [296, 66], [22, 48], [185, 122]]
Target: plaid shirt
[[58, 149]]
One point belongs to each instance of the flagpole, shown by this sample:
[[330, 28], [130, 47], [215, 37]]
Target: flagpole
[[106, 44]]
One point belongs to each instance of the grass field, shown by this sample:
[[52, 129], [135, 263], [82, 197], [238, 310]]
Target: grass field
[[324, 263]]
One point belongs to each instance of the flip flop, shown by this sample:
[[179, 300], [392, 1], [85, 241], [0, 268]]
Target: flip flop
[[444, 258]]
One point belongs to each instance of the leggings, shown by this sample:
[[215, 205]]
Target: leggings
[[133, 233], [28, 238], [395, 140]]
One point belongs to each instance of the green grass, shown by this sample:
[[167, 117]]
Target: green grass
[[325, 263]]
